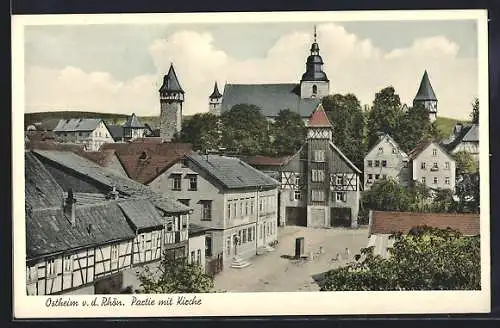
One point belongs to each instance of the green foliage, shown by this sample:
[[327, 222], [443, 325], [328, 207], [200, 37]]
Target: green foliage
[[386, 195], [444, 126], [475, 111], [424, 259], [413, 127], [175, 276], [246, 130], [288, 133], [468, 192], [384, 115], [202, 131], [346, 114], [465, 163]]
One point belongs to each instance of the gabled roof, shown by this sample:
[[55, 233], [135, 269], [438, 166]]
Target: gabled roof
[[48, 231], [196, 230], [271, 98], [344, 157], [423, 145], [145, 161], [386, 137], [232, 172], [425, 91], [215, 94], [171, 82], [141, 213], [109, 178], [116, 132], [392, 222], [47, 125], [40, 188], [77, 124], [133, 122], [319, 118], [473, 134]]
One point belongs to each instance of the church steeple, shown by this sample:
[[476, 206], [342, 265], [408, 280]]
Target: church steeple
[[426, 97], [314, 82]]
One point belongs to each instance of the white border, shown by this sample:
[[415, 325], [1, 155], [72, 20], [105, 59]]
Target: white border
[[231, 304]]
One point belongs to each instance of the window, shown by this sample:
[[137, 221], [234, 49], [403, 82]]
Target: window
[[241, 207], [176, 182], [384, 163], [192, 257], [314, 89], [193, 182], [377, 176], [318, 175], [447, 180], [434, 152], [370, 176], [377, 163], [435, 166], [251, 206], [184, 219], [339, 180], [370, 163], [142, 242], [435, 180], [246, 207], [32, 274], [249, 232], [319, 155], [170, 224], [228, 214], [318, 195], [380, 150], [405, 164], [296, 195], [447, 165], [235, 213], [206, 209], [261, 231], [297, 181], [68, 264], [394, 150], [198, 256], [51, 268], [184, 201], [423, 180], [341, 196], [228, 246], [208, 245], [422, 165]]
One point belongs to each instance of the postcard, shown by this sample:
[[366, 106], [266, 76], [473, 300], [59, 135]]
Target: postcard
[[228, 164]]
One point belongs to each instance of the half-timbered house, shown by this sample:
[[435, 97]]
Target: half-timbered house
[[87, 226], [320, 186]]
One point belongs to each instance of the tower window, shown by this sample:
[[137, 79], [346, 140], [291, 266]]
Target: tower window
[[315, 89]]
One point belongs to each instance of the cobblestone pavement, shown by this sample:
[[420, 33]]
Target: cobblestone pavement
[[274, 272]]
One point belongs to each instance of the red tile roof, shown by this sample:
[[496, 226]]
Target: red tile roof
[[319, 118], [267, 161], [143, 162], [391, 222]]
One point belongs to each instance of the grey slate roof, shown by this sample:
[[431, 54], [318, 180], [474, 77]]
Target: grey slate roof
[[116, 132], [425, 91], [40, 188], [133, 122], [468, 133], [107, 177], [271, 98], [141, 213], [77, 124], [171, 82], [48, 231], [232, 172], [473, 134]]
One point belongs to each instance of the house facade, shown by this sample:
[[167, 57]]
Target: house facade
[[133, 128], [464, 137], [89, 229], [320, 186], [386, 160], [197, 243], [89, 132], [432, 166], [235, 203]]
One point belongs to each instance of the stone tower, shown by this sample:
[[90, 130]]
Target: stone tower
[[314, 82], [426, 97], [215, 101], [171, 100]]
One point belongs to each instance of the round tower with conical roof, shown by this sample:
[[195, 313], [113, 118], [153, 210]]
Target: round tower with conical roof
[[215, 101], [314, 82], [426, 97], [171, 101]]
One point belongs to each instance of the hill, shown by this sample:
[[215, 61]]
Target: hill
[[110, 118], [444, 125]]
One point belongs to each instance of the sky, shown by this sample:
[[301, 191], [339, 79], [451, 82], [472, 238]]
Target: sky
[[119, 68]]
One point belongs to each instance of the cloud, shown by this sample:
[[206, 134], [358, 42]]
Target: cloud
[[352, 64]]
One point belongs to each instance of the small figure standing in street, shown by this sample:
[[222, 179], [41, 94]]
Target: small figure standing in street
[[347, 254]]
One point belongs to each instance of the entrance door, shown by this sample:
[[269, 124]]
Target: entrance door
[[340, 217], [296, 216]]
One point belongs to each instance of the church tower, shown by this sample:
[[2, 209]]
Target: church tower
[[215, 101], [426, 97], [314, 82], [171, 100]]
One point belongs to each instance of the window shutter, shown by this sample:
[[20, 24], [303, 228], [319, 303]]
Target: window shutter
[[292, 195], [344, 196]]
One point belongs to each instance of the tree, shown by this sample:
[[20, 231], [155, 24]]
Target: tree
[[443, 201], [468, 192], [384, 115], [346, 114], [289, 133], [386, 195], [413, 127], [202, 131], [175, 276], [475, 111], [464, 163], [424, 259], [246, 130]]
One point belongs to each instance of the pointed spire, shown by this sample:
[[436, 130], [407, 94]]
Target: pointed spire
[[425, 91], [215, 94], [319, 118], [171, 82], [315, 34]]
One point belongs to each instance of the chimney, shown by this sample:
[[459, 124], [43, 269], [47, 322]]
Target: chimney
[[458, 128], [69, 207], [113, 194]]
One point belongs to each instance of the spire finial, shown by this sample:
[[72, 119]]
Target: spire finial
[[315, 34]]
